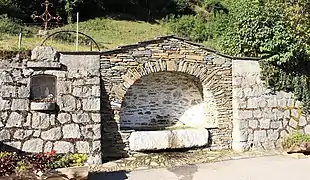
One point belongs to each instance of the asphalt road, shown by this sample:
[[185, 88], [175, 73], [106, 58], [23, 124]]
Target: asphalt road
[[262, 168]]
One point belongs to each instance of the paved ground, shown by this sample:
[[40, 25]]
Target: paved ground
[[262, 168]]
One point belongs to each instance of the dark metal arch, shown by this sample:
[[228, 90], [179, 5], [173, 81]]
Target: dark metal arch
[[58, 32]]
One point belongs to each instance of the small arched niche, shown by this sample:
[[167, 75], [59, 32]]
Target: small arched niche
[[43, 92]]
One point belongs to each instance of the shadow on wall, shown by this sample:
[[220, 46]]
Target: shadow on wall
[[112, 145], [7, 148]]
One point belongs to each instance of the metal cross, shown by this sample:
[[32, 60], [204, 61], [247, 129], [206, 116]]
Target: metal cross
[[46, 16]]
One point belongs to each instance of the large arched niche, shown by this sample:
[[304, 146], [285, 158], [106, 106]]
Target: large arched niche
[[166, 99]]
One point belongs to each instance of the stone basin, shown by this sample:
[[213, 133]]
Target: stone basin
[[168, 139]]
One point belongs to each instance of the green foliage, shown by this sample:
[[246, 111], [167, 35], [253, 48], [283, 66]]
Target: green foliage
[[20, 164], [277, 32], [22, 167], [68, 160], [4, 154], [295, 138], [10, 26], [197, 27]]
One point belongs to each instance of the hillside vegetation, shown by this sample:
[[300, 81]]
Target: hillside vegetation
[[108, 33], [277, 31]]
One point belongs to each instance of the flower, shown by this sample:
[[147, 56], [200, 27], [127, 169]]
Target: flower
[[53, 152]]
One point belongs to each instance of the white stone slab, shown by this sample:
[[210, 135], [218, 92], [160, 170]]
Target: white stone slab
[[173, 139]]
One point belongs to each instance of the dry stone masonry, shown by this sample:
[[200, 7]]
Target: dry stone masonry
[[159, 94], [262, 117], [167, 83], [31, 124]]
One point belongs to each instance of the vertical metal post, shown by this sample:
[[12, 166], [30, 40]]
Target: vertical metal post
[[77, 32], [20, 40]]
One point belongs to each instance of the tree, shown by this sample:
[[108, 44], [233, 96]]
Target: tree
[[69, 7], [278, 32]]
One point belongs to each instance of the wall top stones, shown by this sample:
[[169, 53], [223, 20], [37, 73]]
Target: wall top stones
[[161, 39], [27, 54]]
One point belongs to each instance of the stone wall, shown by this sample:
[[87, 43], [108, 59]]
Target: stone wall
[[73, 125], [261, 117], [157, 67], [162, 99]]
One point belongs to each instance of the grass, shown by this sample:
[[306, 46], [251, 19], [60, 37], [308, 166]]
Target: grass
[[108, 33], [295, 138]]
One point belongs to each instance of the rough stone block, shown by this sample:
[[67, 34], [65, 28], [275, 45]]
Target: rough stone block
[[272, 101], [4, 104], [81, 118], [15, 120], [5, 77], [264, 123], [276, 124], [82, 147], [86, 62], [96, 117], [307, 129], [52, 134], [23, 92], [5, 135], [7, 91], [20, 105], [22, 134], [33, 145], [91, 131], [91, 104], [273, 135], [71, 131], [293, 123], [44, 53], [95, 159], [253, 124], [63, 147], [64, 118], [96, 147], [237, 93], [281, 102], [67, 103], [260, 136], [96, 91], [154, 140], [48, 147], [93, 81], [64, 87], [252, 103], [244, 114], [303, 121], [40, 121]]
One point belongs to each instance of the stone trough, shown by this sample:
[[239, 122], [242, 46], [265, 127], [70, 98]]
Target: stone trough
[[168, 139]]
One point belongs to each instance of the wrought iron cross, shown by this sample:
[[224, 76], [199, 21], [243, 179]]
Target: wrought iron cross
[[46, 17]]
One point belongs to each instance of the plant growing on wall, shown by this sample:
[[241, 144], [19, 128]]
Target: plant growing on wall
[[278, 32]]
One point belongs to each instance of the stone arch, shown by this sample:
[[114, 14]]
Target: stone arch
[[205, 111]]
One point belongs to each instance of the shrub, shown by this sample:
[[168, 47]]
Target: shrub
[[13, 163], [193, 27], [293, 138], [13, 27]]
